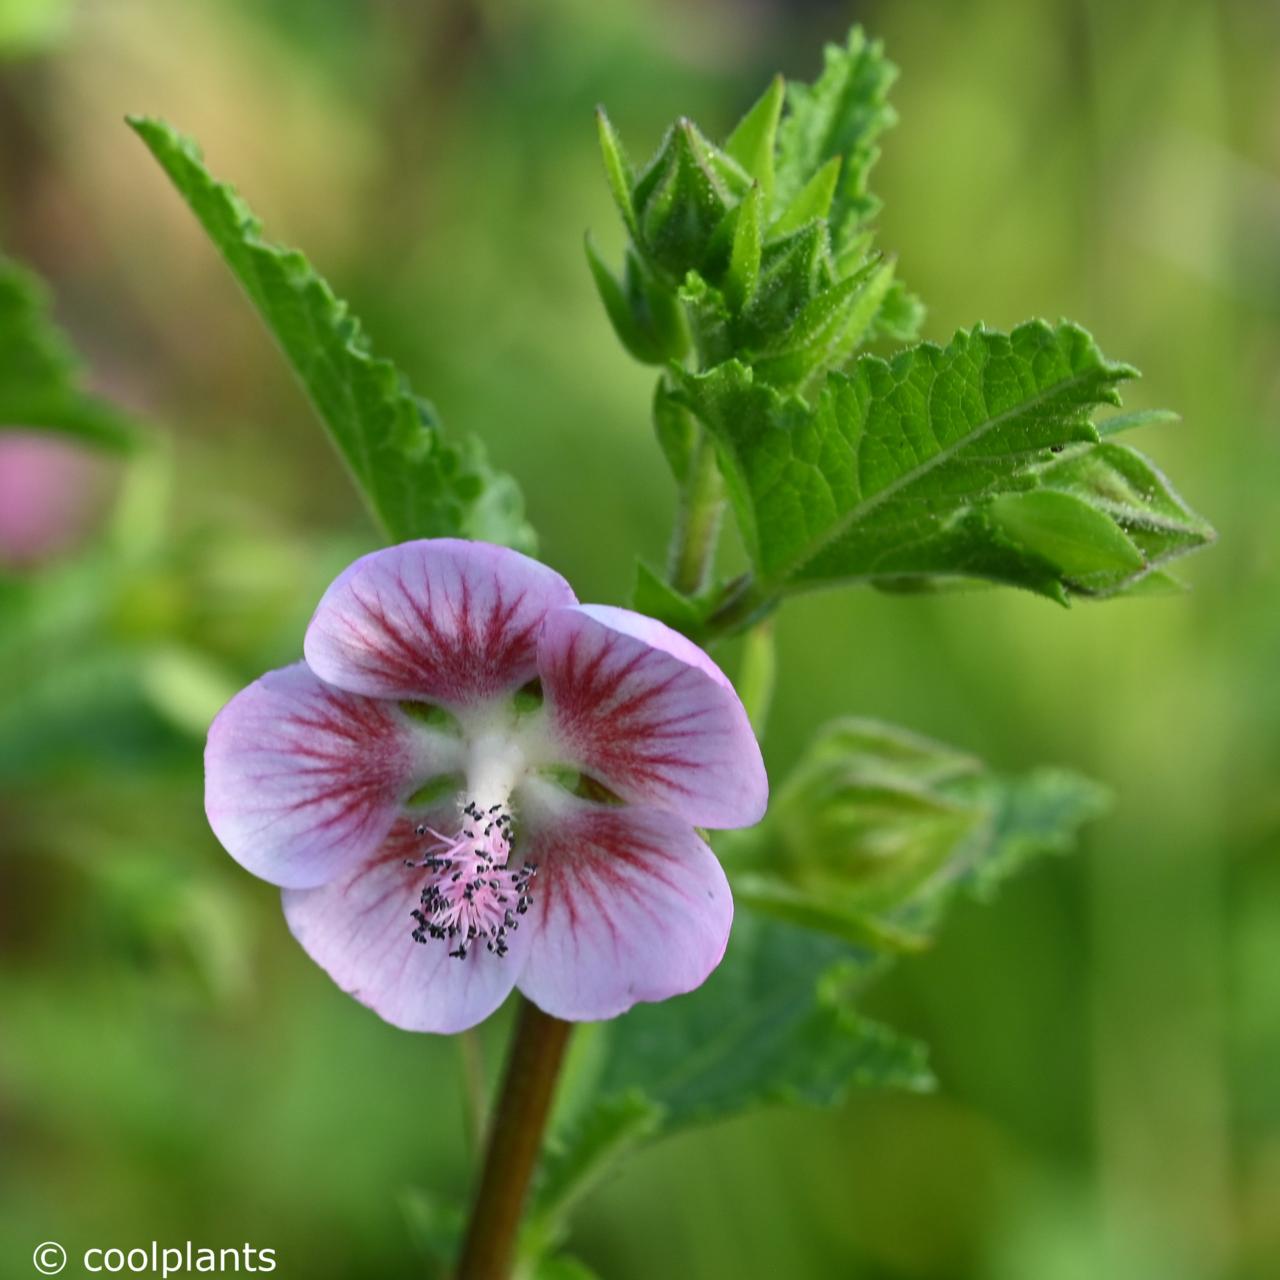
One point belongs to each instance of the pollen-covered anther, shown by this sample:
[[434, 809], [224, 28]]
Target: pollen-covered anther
[[471, 894]]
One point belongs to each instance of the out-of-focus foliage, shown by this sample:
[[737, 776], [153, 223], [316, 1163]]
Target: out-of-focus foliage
[[877, 829], [28, 26], [1104, 1033], [40, 380]]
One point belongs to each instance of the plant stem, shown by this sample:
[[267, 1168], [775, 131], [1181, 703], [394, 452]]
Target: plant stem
[[697, 527], [757, 673], [515, 1137]]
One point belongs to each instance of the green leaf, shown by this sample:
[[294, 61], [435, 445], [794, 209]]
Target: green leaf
[[645, 315], [793, 270], [655, 597], [676, 428], [753, 140], [812, 201], [40, 377], [628, 320], [577, 1160], [1035, 814], [769, 894], [1119, 422], [838, 117], [563, 1267], [436, 1228], [774, 1023], [827, 331], [876, 830], [415, 483], [892, 473], [900, 316], [748, 241], [617, 170]]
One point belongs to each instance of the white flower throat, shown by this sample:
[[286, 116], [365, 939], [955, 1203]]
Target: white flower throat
[[472, 895]]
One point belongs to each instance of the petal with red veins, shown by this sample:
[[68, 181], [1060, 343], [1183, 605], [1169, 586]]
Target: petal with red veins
[[359, 928], [303, 780], [628, 905], [441, 619], [645, 711]]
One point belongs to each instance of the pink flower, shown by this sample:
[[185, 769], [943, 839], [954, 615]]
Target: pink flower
[[49, 495], [475, 783]]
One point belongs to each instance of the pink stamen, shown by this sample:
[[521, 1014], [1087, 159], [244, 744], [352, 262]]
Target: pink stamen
[[471, 893]]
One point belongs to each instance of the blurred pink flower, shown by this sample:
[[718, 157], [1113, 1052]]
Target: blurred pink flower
[[49, 494], [410, 785]]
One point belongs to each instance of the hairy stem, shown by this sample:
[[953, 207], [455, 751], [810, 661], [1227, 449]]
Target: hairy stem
[[515, 1137], [697, 527]]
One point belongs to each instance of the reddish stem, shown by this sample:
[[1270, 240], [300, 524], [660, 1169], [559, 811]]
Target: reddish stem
[[515, 1138]]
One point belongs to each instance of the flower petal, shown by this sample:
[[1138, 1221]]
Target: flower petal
[[359, 928], [441, 619], [647, 713], [628, 905], [303, 780]]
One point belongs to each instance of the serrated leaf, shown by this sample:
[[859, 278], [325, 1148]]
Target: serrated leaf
[[772, 1024], [753, 140], [40, 376], [891, 473], [900, 316], [1037, 813], [415, 483], [839, 115]]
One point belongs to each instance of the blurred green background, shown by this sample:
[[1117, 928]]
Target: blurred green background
[[1107, 1036]]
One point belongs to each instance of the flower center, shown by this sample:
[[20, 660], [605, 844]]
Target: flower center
[[471, 894]]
